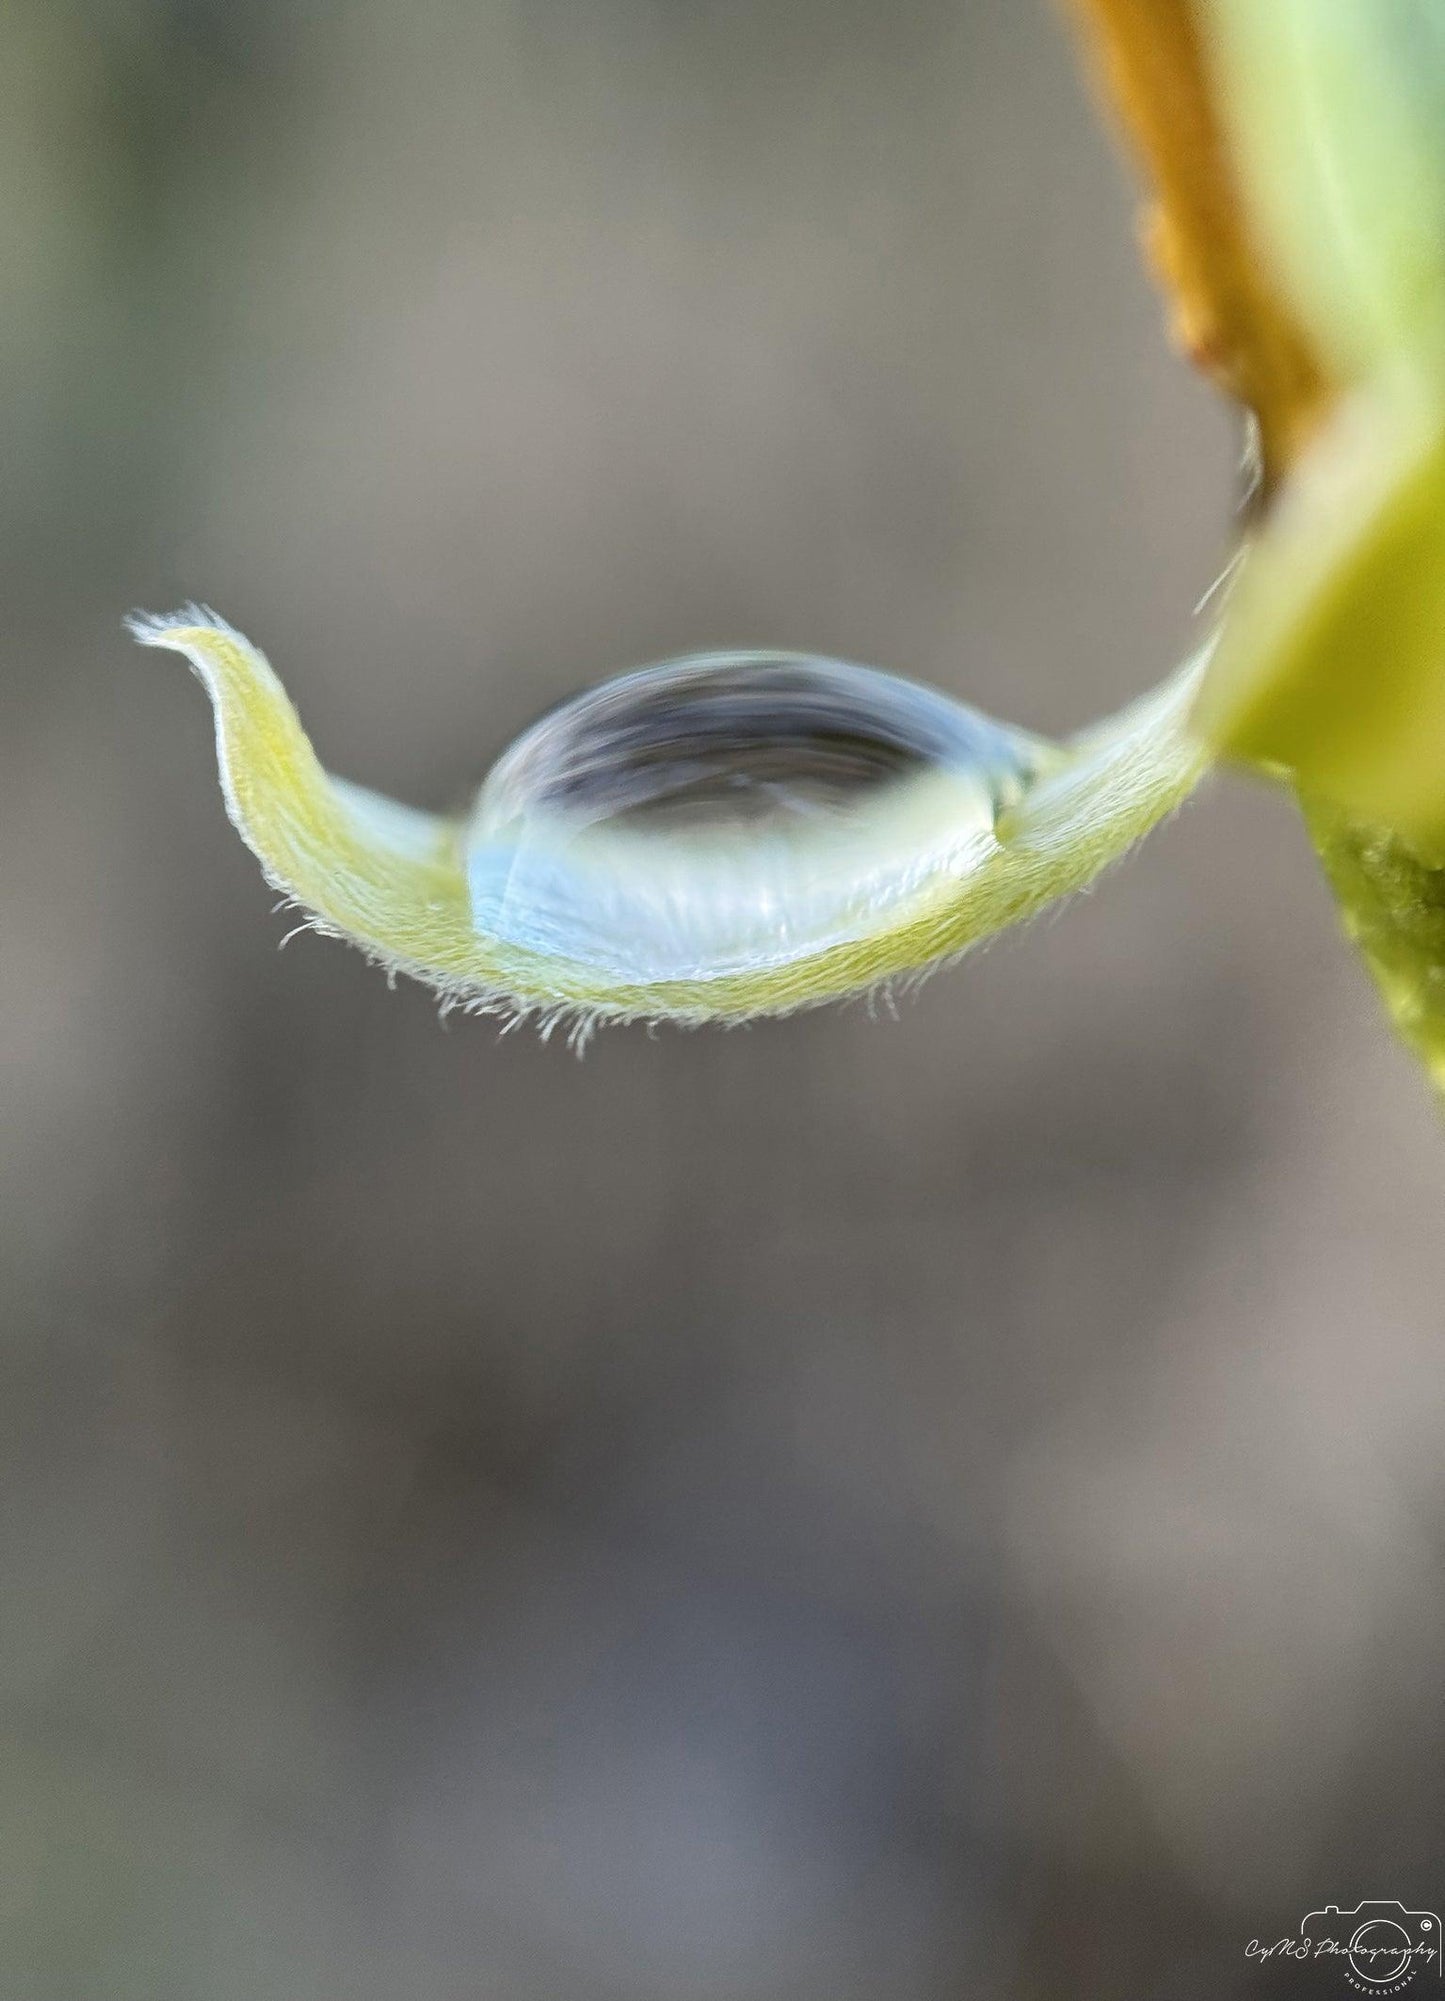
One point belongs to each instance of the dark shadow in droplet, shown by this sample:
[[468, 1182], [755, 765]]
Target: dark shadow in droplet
[[736, 740]]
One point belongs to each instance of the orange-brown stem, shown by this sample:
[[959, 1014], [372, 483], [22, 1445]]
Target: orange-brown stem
[[1152, 59]]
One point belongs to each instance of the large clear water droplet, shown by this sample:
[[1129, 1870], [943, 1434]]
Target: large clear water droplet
[[734, 810]]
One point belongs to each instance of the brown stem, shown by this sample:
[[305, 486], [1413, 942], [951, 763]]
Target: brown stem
[[1151, 57]]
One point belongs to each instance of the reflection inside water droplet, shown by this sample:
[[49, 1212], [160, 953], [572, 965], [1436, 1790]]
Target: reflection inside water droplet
[[734, 810]]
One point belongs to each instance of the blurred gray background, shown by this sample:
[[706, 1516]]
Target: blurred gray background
[[847, 1511]]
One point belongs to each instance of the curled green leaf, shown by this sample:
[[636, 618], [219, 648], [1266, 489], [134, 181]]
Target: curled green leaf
[[712, 839]]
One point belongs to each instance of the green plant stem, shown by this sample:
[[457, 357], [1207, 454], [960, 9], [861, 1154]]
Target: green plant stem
[[1392, 905]]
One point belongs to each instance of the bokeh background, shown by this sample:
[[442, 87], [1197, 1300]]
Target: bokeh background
[[852, 1510]]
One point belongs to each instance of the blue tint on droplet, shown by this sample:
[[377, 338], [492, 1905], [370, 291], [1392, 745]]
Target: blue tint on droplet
[[730, 811]]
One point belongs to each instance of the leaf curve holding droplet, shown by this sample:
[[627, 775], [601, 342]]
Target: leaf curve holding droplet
[[393, 880]]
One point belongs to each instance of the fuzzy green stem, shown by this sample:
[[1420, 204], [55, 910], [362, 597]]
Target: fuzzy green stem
[[1392, 905]]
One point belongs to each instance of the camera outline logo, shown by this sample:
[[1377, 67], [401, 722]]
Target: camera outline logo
[[1383, 1945]]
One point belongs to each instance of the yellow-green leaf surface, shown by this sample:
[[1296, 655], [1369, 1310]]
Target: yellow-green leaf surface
[[963, 854], [1337, 111], [1332, 660]]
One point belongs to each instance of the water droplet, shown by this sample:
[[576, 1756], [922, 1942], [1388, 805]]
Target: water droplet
[[734, 810]]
